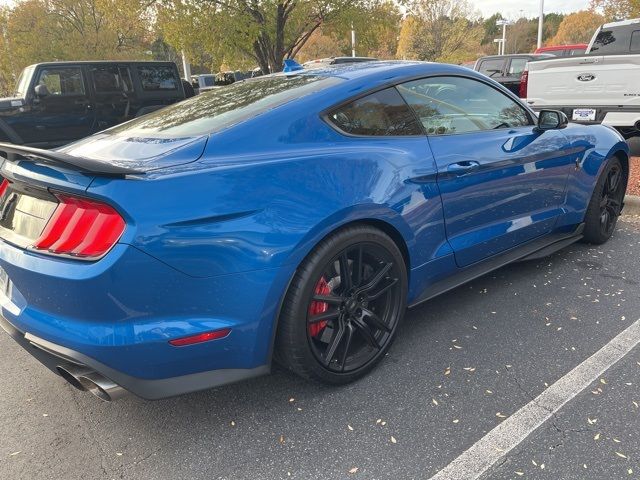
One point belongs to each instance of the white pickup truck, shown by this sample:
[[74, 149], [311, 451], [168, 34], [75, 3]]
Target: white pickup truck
[[603, 86]]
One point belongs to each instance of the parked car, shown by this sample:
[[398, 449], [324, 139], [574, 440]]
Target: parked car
[[600, 87], [290, 217], [564, 50], [507, 69], [202, 83], [58, 102]]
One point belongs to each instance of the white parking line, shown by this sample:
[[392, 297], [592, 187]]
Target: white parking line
[[498, 442]]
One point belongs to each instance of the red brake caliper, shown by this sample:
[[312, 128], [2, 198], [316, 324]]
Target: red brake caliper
[[316, 307]]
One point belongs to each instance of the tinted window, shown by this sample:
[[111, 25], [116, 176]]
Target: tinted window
[[635, 41], [208, 81], [157, 78], [380, 114], [62, 81], [517, 66], [106, 79], [492, 67], [577, 51], [450, 105], [125, 76], [222, 107], [614, 40]]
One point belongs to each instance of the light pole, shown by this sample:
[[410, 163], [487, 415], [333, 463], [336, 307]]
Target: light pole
[[499, 42], [353, 41], [503, 24], [540, 23]]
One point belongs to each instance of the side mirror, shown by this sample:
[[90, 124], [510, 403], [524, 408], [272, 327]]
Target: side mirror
[[551, 120], [41, 91]]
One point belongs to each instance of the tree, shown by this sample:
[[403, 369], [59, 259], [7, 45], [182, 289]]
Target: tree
[[577, 28], [266, 31], [440, 30], [45, 30], [617, 9]]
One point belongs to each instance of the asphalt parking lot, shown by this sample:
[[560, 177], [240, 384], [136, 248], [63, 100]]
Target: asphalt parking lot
[[463, 364]]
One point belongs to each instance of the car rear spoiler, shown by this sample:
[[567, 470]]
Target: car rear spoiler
[[84, 165]]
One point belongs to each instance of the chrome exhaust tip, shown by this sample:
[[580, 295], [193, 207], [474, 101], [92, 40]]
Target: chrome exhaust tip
[[101, 387], [71, 373], [87, 380]]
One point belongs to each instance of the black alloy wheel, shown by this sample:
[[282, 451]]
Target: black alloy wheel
[[611, 200], [606, 203], [343, 310]]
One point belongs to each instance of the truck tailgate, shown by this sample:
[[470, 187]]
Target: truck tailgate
[[612, 80]]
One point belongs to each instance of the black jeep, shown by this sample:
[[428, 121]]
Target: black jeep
[[58, 102]]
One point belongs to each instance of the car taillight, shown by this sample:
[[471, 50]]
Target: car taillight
[[524, 84], [81, 228], [3, 187]]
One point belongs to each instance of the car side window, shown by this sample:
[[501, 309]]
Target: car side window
[[455, 105], [635, 41], [491, 67], [517, 66], [106, 79], [62, 81], [125, 75], [381, 114], [157, 78]]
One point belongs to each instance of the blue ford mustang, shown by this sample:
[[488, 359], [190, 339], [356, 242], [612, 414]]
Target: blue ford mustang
[[289, 218]]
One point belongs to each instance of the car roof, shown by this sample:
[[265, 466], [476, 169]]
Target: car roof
[[562, 47], [516, 55], [102, 62], [621, 23]]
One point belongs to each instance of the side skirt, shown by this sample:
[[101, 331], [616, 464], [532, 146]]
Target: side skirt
[[533, 250]]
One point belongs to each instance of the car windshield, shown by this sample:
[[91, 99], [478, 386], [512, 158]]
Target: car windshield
[[220, 108], [208, 80], [23, 82]]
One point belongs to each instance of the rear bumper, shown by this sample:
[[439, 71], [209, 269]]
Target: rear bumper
[[52, 355], [117, 316], [614, 116]]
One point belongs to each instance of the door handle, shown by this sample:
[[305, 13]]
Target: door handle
[[462, 168]]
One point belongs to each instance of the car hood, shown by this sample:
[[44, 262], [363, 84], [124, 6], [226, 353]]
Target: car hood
[[139, 153], [7, 103]]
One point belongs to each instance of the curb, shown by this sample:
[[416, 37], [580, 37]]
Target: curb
[[631, 205]]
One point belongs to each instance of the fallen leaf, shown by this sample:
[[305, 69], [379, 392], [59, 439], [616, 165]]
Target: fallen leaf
[[353, 470], [456, 421], [434, 401], [350, 427], [519, 473], [616, 440], [15, 453], [500, 415], [282, 439], [621, 455], [292, 399], [233, 424], [447, 371], [119, 454], [393, 439], [489, 392], [597, 436]]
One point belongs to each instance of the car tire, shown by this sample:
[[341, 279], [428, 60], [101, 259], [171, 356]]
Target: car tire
[[606, 203], [318, 350]]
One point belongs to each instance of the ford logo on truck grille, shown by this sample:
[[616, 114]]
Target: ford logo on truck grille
[[586, 77]]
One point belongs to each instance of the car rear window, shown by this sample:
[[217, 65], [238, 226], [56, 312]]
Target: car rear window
[[616, 40], [157, 78], [220, 108], [492, 67]]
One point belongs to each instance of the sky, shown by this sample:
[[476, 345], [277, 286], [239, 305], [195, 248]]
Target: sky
[[527, 8]]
